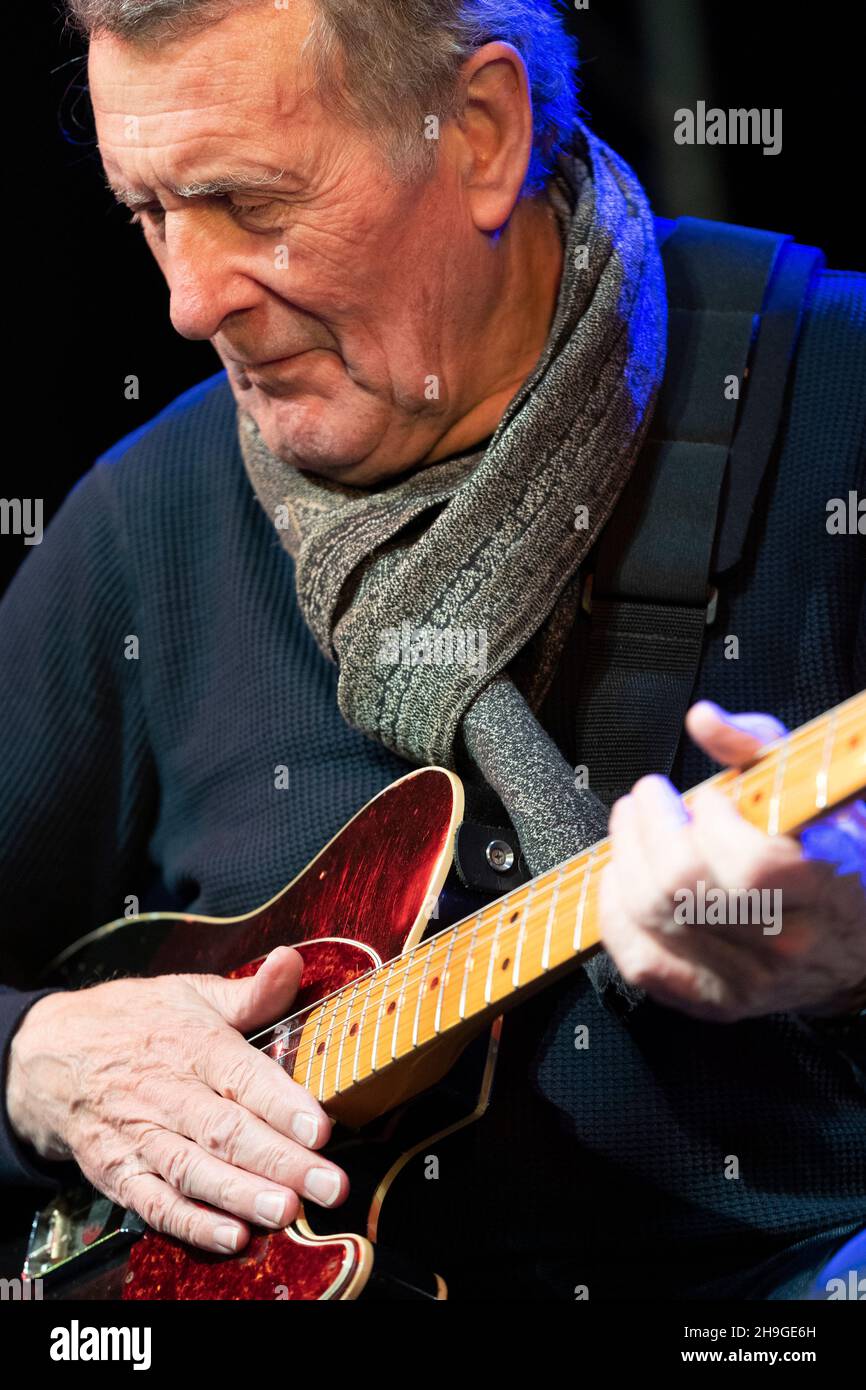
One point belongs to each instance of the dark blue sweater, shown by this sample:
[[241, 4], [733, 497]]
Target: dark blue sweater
[[154, 777]]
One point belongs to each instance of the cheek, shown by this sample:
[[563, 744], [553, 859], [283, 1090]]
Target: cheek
[[346, 263]]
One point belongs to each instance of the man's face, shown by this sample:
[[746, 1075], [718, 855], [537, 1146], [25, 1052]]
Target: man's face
[[332, 293]]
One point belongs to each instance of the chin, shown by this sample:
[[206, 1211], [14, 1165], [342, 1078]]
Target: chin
[[312, 441]]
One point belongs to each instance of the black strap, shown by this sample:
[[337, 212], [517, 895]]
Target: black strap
[[758, 430], [684, 513]]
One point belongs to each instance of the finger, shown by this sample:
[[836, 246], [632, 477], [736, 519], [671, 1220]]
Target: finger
[[764, 875], [731, 739], [661, 967], [242, 1140], [663, 826], [205, 1178], [237, 1070], [168, 1212], [257, 1000], [628, 865]]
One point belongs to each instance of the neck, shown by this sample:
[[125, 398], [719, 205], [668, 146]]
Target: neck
[[525, 301]]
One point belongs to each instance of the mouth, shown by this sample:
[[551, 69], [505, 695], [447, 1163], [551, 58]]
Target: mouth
[[271, 377], [270, 361], [247, 372]]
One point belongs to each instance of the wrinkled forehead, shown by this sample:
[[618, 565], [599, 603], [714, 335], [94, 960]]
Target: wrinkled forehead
[[244, 77]]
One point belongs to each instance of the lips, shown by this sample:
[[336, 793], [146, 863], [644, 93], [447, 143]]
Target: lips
[[270, 361]]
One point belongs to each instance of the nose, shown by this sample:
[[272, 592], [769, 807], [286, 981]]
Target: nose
[[204, 279]]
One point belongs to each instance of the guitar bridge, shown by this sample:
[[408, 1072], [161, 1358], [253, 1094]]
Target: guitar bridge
[[75, 1225]]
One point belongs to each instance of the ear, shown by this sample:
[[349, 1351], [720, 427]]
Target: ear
[[494, 133]]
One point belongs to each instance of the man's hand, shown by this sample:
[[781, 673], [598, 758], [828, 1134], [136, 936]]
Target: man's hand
[[150, 1086], [804, 951]]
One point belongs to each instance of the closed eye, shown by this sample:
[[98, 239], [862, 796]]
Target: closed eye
[[237, 211]]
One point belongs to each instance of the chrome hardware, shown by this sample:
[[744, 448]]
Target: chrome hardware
[[500, 856], [75, 1223]]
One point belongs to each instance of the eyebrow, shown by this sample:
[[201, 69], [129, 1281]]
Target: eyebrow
[[244, 182]]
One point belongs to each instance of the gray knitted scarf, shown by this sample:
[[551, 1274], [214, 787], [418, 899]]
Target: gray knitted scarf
[[445, 597]]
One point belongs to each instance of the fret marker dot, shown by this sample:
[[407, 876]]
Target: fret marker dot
[[320, 1049], [434, 982], [506, 963]]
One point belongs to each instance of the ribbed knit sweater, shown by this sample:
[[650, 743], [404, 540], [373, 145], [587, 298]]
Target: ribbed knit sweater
[[154, 777]]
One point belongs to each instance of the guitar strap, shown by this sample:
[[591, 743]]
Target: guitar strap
[[735, 298], [735, 305]]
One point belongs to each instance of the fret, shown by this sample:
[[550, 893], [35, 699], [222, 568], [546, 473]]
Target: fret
[[488, 987], [461, 1007], [822, 781], [346, 1022], [428, 956], [778, 782], [323, 1047], [581, 905], [511, 930], [360, 1033], [443, 978], [385, 983], [407, 959], [521, 936], [313, 1045], [548, 930]]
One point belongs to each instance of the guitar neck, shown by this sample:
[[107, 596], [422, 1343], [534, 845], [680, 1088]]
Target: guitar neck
[[488, 962]]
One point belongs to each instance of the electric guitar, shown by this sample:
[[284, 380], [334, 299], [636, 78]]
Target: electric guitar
[[392, 1003]]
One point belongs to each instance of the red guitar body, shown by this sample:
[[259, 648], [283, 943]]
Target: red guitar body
[[366, 898]]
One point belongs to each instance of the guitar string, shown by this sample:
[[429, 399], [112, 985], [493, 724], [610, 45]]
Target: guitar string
[[574, 860], [399, 969], [392, 967]]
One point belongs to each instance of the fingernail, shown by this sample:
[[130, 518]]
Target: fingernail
[[323, 1185], [305, 1128], [228, 1238], [271, 1208], [665, 798]]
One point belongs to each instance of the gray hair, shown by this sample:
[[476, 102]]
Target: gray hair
[[389, 65]]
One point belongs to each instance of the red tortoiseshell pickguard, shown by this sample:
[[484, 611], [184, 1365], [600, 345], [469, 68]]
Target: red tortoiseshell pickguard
[[272, 1267]]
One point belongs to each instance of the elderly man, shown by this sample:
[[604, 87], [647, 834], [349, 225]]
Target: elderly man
[[441, 309]]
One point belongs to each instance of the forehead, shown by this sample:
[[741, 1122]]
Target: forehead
[[240, 86]]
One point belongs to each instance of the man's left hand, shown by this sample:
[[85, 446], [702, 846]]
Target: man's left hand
[[803, 950]]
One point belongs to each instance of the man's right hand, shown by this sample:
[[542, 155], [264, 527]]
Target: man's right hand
[[150, 1086]]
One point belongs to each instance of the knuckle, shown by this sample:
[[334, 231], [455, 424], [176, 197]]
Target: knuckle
[[184, 1222], [235, 1076], [155, 1207], [679, 874], [639, 968], [178, 1167], [275, 1158], [223, 1132], [230, 1194]]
